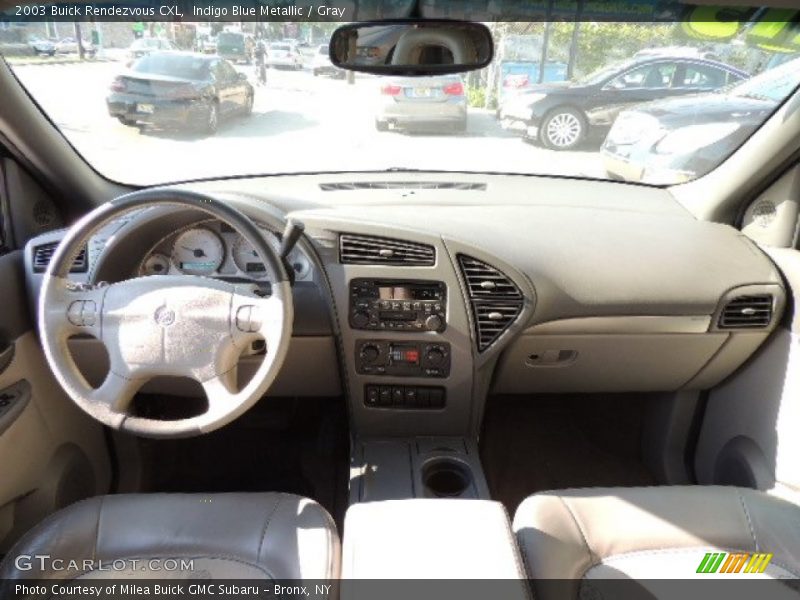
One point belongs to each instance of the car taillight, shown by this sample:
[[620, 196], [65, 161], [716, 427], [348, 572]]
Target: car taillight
[[118, 85], [454, 89], [391, 90]]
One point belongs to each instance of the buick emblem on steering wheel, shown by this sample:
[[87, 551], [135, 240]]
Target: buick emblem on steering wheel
[[165, 316]]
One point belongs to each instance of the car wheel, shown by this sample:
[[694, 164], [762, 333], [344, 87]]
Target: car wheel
[[461, 126], [381, 126], [126, 121], [248, 105], [563, 129], [212, 119]]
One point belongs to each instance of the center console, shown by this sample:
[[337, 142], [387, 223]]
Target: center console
[[432, 539]]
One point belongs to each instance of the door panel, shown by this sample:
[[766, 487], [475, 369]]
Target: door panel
[[53, 454]]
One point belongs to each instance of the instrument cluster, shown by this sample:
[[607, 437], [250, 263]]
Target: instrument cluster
[[214, 249]]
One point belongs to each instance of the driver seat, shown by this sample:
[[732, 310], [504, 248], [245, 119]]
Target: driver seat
[[221, 536]]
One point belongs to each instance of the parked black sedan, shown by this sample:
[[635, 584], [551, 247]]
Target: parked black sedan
[[676, 140], [562, 115], [179, 89]]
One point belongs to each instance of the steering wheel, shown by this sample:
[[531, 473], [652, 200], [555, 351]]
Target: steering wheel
[[184, 325]]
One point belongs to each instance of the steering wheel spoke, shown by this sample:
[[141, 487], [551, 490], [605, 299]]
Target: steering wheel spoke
[[114, 396], [75, 309]]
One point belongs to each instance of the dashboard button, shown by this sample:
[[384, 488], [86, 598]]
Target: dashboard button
[[398, 396], [371, 397], [385, 396]]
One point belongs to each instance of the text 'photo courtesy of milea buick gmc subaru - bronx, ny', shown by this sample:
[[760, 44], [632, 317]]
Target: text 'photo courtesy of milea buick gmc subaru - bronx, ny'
[[400, 299]]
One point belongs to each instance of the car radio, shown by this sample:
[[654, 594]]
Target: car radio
[[398, 305]]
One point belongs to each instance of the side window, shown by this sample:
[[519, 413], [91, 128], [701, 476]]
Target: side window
[[648, 76], [702, 77], [732, 78]]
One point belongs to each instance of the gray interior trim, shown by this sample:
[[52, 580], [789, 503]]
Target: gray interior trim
[[629, 324], [14, 318]]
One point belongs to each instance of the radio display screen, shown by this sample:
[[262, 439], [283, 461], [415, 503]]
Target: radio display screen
[[395, 293]]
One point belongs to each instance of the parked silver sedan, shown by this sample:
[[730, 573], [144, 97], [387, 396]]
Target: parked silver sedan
[[423, 103]]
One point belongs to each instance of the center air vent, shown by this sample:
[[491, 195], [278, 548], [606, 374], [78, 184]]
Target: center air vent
[[747, 312], [42, 255], [371, 250], [496, 300]]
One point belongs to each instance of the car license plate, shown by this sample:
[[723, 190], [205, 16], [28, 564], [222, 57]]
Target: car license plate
[[147, 109], [423, 92]]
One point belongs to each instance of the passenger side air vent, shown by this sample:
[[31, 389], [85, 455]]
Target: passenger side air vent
[[747, 312], [370, 250], [42, 255], [496, 300]]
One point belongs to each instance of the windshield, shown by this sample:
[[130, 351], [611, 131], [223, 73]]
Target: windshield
[[775, 84], [284, 111]]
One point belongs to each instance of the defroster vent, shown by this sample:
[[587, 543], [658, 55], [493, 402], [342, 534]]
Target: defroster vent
[[495, 298], [373, 250]]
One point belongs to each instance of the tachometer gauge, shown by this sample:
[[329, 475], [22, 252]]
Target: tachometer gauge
[[198, 252], [155, 264], [246, 258]]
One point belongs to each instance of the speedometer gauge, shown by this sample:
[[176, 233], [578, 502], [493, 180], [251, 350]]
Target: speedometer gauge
[[198, 252]]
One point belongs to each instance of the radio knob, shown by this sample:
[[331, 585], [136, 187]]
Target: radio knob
[[433, 322], [435, 356], [370, 353], [360, 319]]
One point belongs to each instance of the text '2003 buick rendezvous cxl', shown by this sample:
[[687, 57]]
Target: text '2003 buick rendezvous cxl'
[[274, 350]]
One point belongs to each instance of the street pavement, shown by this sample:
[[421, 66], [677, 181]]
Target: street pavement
[[300, 123]]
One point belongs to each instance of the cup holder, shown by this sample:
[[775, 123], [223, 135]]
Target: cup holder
[[446, 478]]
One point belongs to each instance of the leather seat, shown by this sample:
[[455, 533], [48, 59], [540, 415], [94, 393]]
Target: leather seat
[[243, 536], [649, 533]]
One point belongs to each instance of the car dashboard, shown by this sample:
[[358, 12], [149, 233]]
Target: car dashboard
[[418, 296]]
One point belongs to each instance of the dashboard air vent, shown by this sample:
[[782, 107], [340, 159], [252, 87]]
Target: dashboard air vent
[[747, 312], [42, 255], [496, 300], [371, 250], [404, 185]]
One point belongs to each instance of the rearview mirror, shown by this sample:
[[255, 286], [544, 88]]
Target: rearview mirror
[[416, 47]]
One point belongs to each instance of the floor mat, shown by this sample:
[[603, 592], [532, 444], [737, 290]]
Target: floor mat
[[550, 442], [286, 445]]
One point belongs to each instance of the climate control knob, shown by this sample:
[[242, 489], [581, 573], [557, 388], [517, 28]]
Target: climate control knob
[[435, 356], [433, 323], [360, 319], [370, 353]]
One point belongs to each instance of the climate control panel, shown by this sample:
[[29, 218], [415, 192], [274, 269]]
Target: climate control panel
[[404, 359]]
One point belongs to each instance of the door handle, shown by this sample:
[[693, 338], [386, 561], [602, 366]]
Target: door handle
[[6, 356]]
